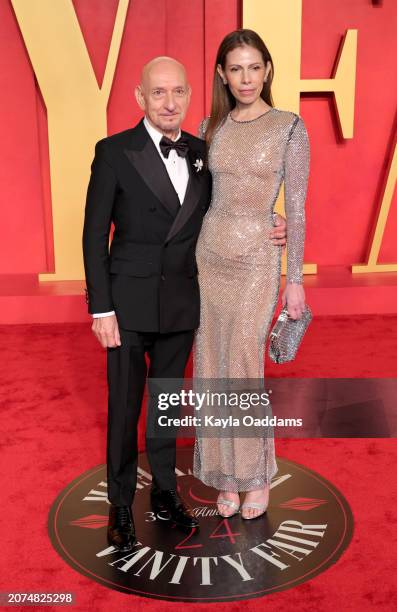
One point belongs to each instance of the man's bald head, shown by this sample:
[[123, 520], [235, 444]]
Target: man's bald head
[[162, 64], [164, 94]]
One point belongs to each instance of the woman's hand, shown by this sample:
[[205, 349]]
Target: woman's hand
[[294, 296], [278, 235]]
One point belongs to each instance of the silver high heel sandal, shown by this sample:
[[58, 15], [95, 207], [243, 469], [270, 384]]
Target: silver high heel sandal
[[231, 504], [255, 506]]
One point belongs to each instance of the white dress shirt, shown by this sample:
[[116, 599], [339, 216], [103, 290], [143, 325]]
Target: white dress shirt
[[176, 166], [178, 172]]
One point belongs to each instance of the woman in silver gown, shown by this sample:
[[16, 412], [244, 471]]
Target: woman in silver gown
[[253, 148]]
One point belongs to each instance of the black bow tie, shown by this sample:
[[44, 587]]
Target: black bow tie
[[181, 146]]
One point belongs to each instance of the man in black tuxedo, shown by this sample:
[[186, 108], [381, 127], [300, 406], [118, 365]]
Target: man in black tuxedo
[[151, 182]]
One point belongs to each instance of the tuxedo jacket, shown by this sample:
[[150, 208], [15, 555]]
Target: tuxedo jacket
[[149, 274]]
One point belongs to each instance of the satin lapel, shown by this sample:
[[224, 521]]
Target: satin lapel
[[192, 197], [153, 172]]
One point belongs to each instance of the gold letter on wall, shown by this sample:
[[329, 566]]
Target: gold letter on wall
[[279, 23], [387, 196], [76, 111]]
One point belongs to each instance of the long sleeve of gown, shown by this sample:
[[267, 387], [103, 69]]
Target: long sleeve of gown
[[203, 128], [296, 173]]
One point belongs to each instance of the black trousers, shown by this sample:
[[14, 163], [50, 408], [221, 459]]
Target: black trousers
[[127, 371]]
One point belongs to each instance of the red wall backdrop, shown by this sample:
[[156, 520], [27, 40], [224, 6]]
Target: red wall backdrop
[[346, 176]]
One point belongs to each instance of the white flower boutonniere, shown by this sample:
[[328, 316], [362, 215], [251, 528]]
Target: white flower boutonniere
[[198, 164]]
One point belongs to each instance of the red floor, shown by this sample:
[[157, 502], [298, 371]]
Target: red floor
[[53, 401]]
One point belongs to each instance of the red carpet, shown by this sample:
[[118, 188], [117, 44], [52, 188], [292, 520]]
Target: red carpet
[[54, 418]]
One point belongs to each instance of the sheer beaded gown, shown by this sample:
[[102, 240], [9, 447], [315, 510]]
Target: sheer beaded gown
[[239, 273]]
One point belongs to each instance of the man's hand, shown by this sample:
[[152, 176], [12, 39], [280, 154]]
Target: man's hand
[[294, 297], [106, 330], [279, 233]]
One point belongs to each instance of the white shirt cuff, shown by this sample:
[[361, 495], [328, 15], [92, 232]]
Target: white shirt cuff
[[98, 315]]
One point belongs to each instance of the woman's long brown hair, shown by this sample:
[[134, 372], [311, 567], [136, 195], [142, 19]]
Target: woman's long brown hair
[[222, 99]]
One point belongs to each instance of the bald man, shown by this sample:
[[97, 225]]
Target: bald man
[[151, 182]]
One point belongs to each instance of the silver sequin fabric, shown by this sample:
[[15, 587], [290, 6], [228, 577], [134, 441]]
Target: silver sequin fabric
[[239, 273]]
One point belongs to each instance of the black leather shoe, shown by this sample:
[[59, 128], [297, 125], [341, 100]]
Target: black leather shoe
[[121, 528], [170, 501]]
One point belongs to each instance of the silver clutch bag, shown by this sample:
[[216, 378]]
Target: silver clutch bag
[[287, 335]]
